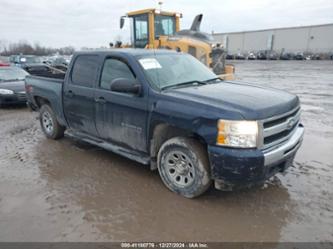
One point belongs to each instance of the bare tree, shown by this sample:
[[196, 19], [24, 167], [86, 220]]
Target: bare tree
[[24, 47]]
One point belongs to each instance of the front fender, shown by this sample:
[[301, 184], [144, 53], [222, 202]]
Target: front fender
[[185, 117]]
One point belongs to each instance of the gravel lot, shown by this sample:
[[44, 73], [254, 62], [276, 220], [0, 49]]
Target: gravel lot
[[70, 191]]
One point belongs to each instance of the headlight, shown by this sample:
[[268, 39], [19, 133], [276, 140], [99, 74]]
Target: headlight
[[242, 134], [5, 91]]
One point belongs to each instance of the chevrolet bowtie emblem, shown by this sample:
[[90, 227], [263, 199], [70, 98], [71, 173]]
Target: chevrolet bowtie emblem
[[290, 123]]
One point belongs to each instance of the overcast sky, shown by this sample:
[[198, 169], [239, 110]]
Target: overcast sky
[[95, 23]]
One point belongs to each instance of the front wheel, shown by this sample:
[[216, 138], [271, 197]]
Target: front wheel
[[184, 166], [49, 123]]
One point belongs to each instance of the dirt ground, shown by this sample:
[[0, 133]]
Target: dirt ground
[[70, 191]]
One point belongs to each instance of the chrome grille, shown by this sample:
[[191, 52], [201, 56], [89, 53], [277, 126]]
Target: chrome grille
[[280, 128], [21, 95]]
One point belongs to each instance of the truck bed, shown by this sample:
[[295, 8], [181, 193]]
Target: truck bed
[[46, 88], [50, 78]]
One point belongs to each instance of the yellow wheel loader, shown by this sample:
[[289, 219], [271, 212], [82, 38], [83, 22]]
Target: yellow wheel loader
[[154, 29]]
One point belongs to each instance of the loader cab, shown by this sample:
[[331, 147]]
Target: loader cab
[[149, 25]]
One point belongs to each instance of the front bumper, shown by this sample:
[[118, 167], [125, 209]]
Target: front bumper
[[238, 168], [16, 98]]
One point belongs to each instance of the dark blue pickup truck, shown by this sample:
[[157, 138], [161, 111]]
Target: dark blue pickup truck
[[169, 111]]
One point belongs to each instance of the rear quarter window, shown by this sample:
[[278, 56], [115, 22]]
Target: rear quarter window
[[85, 70]]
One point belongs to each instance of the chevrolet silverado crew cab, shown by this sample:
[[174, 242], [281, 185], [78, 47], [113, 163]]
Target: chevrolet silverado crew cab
[[167, 110]]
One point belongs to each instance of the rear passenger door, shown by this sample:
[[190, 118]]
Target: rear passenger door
[[79, 102], [120, 117]]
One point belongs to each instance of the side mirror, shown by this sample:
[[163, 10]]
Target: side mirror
[[124, 85], [122, 22]]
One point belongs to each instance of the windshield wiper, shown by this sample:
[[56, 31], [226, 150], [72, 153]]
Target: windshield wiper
[[192, 82], [213, 79]]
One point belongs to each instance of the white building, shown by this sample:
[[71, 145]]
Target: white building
[[314, 39]]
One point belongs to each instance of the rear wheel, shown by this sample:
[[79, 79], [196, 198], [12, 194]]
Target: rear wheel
[[49, 123], [184, 167]]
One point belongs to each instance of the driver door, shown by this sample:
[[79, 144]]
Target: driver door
[[120, 117]]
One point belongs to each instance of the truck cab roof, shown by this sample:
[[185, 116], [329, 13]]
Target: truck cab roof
[[129, 51]]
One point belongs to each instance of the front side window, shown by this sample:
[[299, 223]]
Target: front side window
[[140, 31], [164, 25], [85, 70], [114, 69]]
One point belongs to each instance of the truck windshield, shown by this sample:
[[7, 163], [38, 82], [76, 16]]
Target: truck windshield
[[171, 70]]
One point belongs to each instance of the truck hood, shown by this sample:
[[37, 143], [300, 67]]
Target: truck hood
[[252, 102], [16, 86]]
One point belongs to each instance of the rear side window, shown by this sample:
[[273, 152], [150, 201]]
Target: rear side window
[[85, 70], [114, 69]]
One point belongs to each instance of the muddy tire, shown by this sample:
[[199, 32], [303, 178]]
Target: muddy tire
[[184, 167], [49, 123]]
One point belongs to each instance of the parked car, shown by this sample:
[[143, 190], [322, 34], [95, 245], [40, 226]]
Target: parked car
[[315, 57], [272, 55], [299, 56], [239, 56], [47, 59], [12, 90], [262, 55], [167, 110], [21, 60], [4, 64], [287, 56], [229, 57], [251, 56], [57, 62], [13, 58], [60, 61], [308, 57]]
